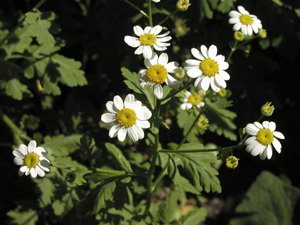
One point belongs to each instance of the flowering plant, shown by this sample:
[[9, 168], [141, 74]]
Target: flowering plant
[[142, 143]]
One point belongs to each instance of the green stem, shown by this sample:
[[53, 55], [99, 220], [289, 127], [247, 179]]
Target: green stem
[[168, 17], [150, 174], [38, 5], [161, 174], [135, 7], [150, 13], [232, 50], [189, 131], [230, 148], [178, 91]]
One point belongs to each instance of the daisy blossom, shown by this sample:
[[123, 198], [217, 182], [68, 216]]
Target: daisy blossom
[[126, 117], [191, 100], [157, 73], [244, 22], [263, 136], [146, 39], [208, 67], [31, 159]]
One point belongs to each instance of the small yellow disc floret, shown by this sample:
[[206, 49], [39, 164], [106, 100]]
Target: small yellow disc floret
[[148, 39], [209, 67], [157, 74], [194, 99], [265, 136], [31, 160], [246, 19], [126, 117]]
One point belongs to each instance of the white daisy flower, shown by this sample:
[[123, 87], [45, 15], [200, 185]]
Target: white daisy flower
[[208, 67], [157, 73], [191, 100], [148, 38], [126, 118], [263, 136], [31, 159], [244, 22]]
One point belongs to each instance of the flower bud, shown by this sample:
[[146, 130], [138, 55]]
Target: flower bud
[[238, 36], [71, 176], [203, 122], [183, 5], [232, 162], [262, 33], [267, 109], [222, 92]]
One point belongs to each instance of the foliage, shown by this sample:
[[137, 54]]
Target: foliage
[[62, 61]]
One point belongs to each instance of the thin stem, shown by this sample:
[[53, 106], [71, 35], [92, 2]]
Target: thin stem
[[161, 174], [150, 173], [38, 5], [189, 131], [135, 7], [230, 148], [168, 17], [232, 50], [150, 13]]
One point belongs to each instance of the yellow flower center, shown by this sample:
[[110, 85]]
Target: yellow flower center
[[209, 67], [265, 136], [194, 99], [148, 39], [246, 19], [157, 74], [202, 123], [31, 160], [126, 117]]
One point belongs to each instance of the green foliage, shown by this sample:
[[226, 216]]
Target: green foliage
[[270, 200]]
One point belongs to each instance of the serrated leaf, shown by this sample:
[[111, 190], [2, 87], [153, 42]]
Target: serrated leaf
[[118, 157], [185, 121], [194, 217], [199, 170], [220, 120], [97, 198], [61, 145], [269, 200], [47, 188], [23, 217], [168, 210]]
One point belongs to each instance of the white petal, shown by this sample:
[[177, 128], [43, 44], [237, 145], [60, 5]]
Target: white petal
[[242, 10], [33, 172], [220, 81], [223, 65], [203, 49], [139, 50], [186, 106], [18, 153], [122, 133], [265, 124], [272, 126], [18, 161], [237, 26], [31, 146], [196, 53], [192, 62], [172, 82], [212, 51], [159, 47], [263, 155], [249, 28], [143, 124], [118, 102], [163, 59], [40, 172], [158, 91], [205, 83], [129, 100], [147, 52], [24, 169], [214, 85], [258, 125], [234, 14], [132, 41], [194, 73], [233, 20], [110, 107], [23, 149], [224, 75], [108, 117], [138, 30], [44, 165], [114, 130], [278, 134], [156, 30], [133, 134], [40, 151], [277, 145], [251, 129], [269, 152], [143, 113], [172, 67]]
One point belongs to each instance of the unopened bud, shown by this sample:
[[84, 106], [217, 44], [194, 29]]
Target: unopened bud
[[222, 92], [267, 109], [71, 176], [232, 162], [262, 33], [238, 36], [183, 5]]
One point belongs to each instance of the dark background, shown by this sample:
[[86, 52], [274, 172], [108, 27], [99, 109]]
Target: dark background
[[94, 33]]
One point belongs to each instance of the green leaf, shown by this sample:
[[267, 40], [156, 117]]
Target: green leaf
[[102, 175], [269, 200], [220, 119], [168, 210], [61, 145], [39, 25], [199, 170], [23, 215], [118, 157], [47, 188], [194, 217], [185, 120], [97, 198]]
